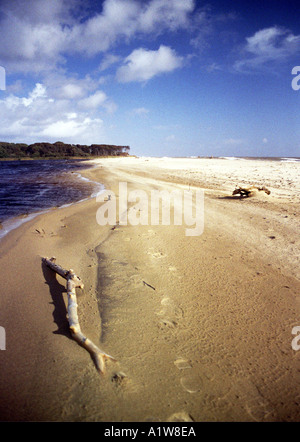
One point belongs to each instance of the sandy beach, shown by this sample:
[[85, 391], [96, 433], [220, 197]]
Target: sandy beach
[[200, 326]]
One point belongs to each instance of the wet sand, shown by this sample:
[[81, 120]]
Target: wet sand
[[201, 326]]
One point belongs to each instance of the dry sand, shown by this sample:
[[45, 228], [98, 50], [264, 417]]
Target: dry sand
[[201, 326]]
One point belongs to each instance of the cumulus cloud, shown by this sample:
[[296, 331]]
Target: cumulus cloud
[[38, 116], [96, 100], [33, 33], [142, 64], [160, 15], [71, 90], [38, 92], [38, 34], [69, 87], [77, 127], [108, 60], [124, 19], [266, 47]]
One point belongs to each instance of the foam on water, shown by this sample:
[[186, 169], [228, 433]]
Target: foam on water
[[290, 160]]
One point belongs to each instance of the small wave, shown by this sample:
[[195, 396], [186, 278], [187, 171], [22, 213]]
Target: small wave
[[25, 197], [14, 223], [230, 158], [290, 160], [99, 187]]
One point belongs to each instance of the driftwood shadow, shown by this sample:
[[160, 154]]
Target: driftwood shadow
[[234, 197], [60, 311]]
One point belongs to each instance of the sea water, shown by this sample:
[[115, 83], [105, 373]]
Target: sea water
[[31, 187]]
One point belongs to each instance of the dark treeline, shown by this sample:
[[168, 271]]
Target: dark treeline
[[59, 150]]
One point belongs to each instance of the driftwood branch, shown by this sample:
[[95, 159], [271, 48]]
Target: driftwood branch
[[73, 282], [246, 192]]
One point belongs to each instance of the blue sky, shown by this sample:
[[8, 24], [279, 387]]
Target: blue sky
[[167, 77]]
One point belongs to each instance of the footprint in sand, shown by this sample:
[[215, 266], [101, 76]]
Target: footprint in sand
[[157, 255], [182, 364], [170, 309], [174, 272], [169, 314], [192, 382], [94, 264], [167, 323], [166, 301], [256, 405], [91, 253], [258, 412], [118, 379], [42, 233], [182, 416], [136, 280]]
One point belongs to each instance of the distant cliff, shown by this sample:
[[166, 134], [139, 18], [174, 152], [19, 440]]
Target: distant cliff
[[59, 150]]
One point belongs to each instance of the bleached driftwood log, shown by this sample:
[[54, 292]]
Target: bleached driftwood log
[[249, 191], [73, 281]]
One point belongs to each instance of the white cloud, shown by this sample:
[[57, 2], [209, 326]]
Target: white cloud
[[265, 140], [100, 32], [69, 88], [268, 46], [96, 100], [160, 14], [40, 11], [140, 111], [71, 91], [38, 92], [26, 48], [36, 35], [93, 101], [108, 61], [12, 102], [124, 19], [66, 128], [143, 64], [71, 115], [39, 117]]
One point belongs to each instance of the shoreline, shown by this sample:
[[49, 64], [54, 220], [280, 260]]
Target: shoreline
[[200, 327], [13, 223]]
